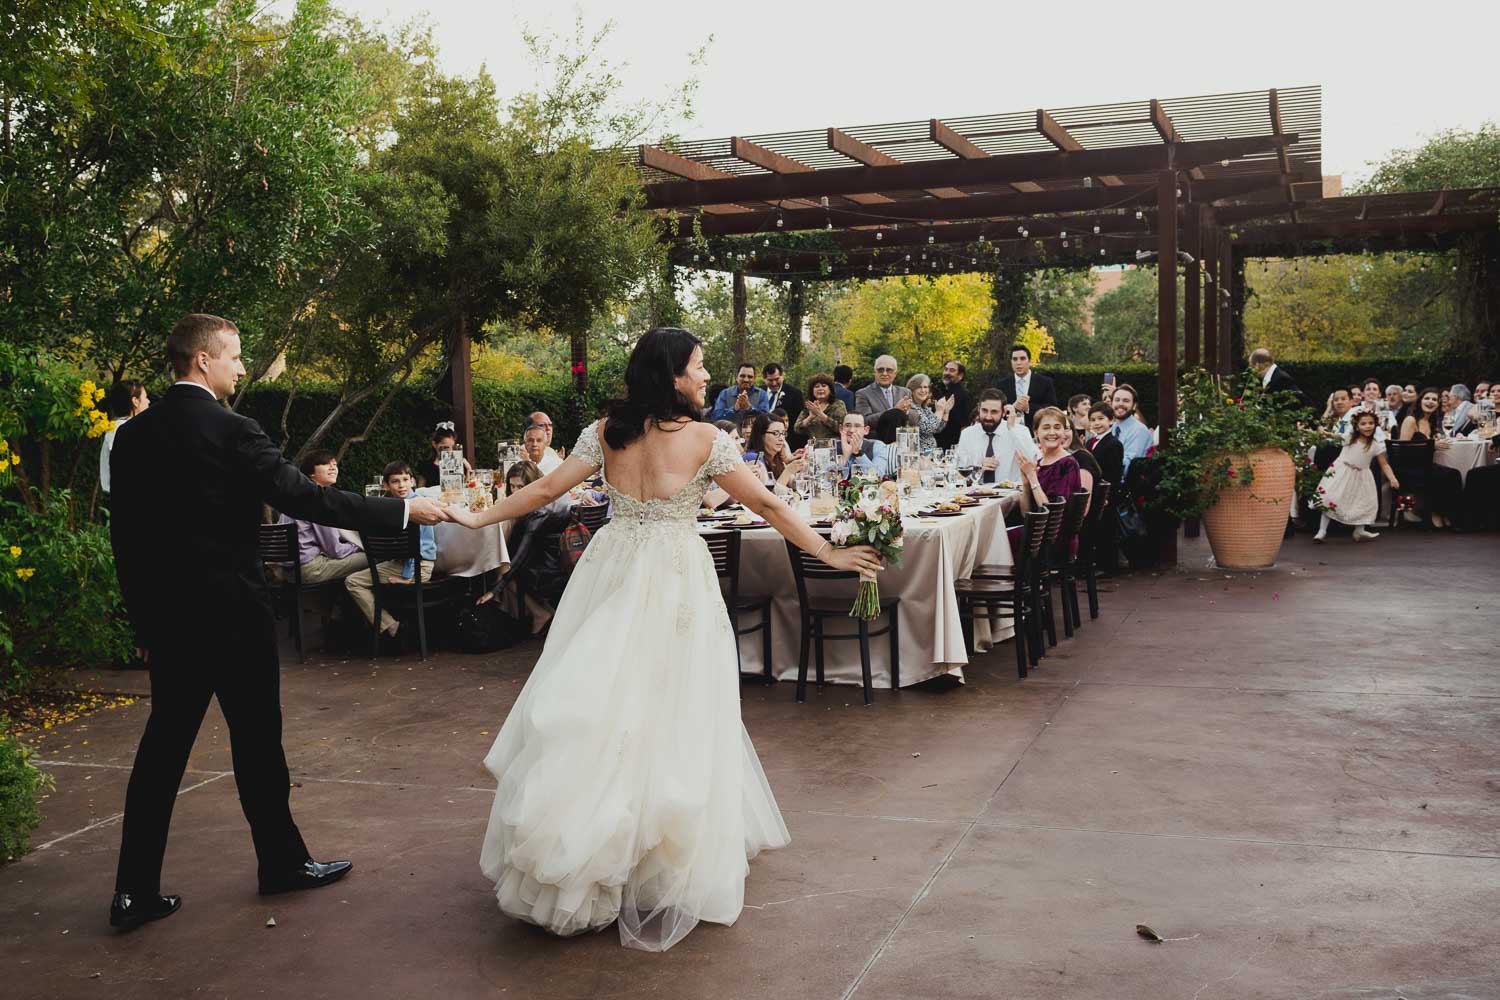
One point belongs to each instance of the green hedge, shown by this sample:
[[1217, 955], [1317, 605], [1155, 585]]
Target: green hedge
[[405, 430]]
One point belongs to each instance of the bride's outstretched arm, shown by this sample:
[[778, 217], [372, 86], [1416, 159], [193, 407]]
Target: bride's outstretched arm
[[743, 485], [540, 493]]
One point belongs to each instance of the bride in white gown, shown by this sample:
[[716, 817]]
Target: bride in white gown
[[628, 789]]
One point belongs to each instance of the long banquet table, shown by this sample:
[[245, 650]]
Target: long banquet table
[[1463, 455], [937, 552]]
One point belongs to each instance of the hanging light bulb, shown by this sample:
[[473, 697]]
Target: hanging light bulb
[[879, 235], [1101, 251], [695, 258], [1063, 234], [930, 238], [712, 258], [981, 237], [908, 256], [828, 225], [780, 222], [1088, 182], [787, 266], [1065, 242], [869, 267], [765, 243], [1096, 230]]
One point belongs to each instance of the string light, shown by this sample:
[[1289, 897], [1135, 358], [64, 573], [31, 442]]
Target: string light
[[780, 221], [1096, 230], [1063, 234], [1101, 251], [1139, 214], [931, 238], [787, 266], [879, 235]]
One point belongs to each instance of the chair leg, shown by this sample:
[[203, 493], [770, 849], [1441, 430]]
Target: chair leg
[[734, 627], [421, 626], [966, 621], [818, 647], [765, 645], [896, 648], [802, 662], [1091, 585], [297, 623], [375, 626], [1049, 623], [1018, 619], [1062, 598], [864, 660], [1036, 643]]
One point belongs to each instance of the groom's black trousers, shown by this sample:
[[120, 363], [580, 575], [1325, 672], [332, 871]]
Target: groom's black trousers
[[244, 673]]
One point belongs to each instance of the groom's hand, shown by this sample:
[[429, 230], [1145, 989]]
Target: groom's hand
[[425, 510]]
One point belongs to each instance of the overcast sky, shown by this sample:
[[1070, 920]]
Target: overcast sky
[[1389, 79]]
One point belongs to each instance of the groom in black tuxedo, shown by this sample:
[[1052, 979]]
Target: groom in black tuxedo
[[189, 479]]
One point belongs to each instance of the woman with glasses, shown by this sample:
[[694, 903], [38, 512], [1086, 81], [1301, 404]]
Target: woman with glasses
[[768, 441]]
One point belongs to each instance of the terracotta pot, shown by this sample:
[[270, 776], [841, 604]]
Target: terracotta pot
[[1245, 525]]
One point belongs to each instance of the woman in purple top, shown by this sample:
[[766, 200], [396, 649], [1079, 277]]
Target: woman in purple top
[[1057, 475], [323, 554]]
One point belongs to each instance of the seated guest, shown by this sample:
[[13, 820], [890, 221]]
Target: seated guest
[[842, 376], [712, 396], [822, 412], [1134, 436], [768, 442], [927, 415], [444, 439], [742, 397], [1481, 389], [539, 419], [991, 442], [886, 425], [324, 555], [1055, 474], [780, 396], [1078, 416], [534, 544], [399, 484], [1395, 405], [1444, 485], [534, 449], [857, 453], [732, 429], [746, 422], [127, 398], [1465, 415]]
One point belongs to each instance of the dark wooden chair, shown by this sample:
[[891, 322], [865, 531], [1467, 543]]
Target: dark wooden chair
[[417, 596], [1056, 507], [277, 543], [1038, 595], [1011, 597], [1093, 523], [592, 516], [1411, 464], [1061, 567], [724, 546], [817, 612]]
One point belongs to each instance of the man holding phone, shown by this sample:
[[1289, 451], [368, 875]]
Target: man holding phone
[[1031, 390]]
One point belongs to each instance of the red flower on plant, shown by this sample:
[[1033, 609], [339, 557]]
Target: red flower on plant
[[579, 368]]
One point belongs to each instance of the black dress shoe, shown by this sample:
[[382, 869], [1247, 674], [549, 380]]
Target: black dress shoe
[[128, 910], [309, 875]]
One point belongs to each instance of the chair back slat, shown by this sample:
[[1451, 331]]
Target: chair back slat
[[1055, 509], [277, 543], [592, 516], [1072, 520], [805, 567], [1099, 504], [1034, 535], [1410, 456], [401, 545], [724, 547]]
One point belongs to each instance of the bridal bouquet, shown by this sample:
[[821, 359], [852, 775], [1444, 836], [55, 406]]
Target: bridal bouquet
[[864, 518]]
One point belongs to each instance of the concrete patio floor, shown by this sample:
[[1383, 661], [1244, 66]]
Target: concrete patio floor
[[1293, 775]]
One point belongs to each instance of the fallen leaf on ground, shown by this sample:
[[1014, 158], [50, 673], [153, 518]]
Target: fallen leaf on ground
[[1149, 934]]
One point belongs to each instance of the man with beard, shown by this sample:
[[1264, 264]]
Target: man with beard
[[991, 443], [962, 414]]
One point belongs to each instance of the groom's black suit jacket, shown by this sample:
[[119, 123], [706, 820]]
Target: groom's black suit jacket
[[189, 477]]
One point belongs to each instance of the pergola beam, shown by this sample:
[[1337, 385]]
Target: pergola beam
[[993, 170], [1063, 140], [971, 207], [1281, 156], [964, 149], [744, 149], [846, 145], [680, 166]]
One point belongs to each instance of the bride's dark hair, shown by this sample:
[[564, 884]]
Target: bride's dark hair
[[650, 388]]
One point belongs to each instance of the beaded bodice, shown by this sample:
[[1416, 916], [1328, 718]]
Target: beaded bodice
[[680, 510]]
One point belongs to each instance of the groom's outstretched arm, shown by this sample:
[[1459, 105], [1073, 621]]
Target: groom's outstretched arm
[[283, 486]]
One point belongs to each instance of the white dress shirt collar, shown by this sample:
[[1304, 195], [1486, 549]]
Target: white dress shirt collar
[[1265, 380], [200, 385]]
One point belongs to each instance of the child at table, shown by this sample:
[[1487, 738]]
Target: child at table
[[399, 483]]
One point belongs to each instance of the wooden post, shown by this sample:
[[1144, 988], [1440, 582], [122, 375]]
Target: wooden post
[[1191, 229], [741, 334], [1166, 329], [462, 376], [796, 304], [1208, 239], [1225, 301]]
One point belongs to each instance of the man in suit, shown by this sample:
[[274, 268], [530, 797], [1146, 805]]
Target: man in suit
[[962, 413], [190, 477], [842, 376], [882, 394], [1110, 454], [1030, 390], [779, 395], [1274, 378]]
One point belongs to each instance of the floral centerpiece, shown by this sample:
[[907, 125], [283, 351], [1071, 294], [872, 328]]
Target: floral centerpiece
[[864, 517]]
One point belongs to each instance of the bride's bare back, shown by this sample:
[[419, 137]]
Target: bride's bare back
[[659, 463]]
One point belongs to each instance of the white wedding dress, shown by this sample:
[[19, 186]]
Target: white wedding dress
[[628, 787]]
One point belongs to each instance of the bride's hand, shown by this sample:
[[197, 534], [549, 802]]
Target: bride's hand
[[854, 558], [463, 516]]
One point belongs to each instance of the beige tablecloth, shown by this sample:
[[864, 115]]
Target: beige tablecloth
[[937, 552], [1464, 455]]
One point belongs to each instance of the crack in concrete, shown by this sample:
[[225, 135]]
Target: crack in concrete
[[110, 820], [816, 895]]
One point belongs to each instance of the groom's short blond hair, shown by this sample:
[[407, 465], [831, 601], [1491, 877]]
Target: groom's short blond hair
[[194, 333]]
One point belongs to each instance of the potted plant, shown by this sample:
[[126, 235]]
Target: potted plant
[[1235, 460]]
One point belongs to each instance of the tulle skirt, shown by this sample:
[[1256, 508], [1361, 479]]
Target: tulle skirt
[[628, 789]]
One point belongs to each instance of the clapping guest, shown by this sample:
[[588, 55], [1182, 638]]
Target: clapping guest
[[883, 393], [859, 454], [953, 388], [1055, 473], [990, 444], [323, 553], [742, 397], [400, 484], [822, 412], [127, 398], [927, 415]]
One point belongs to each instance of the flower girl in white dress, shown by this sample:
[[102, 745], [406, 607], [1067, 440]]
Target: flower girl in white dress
[[628, 789], [1347, 493]]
